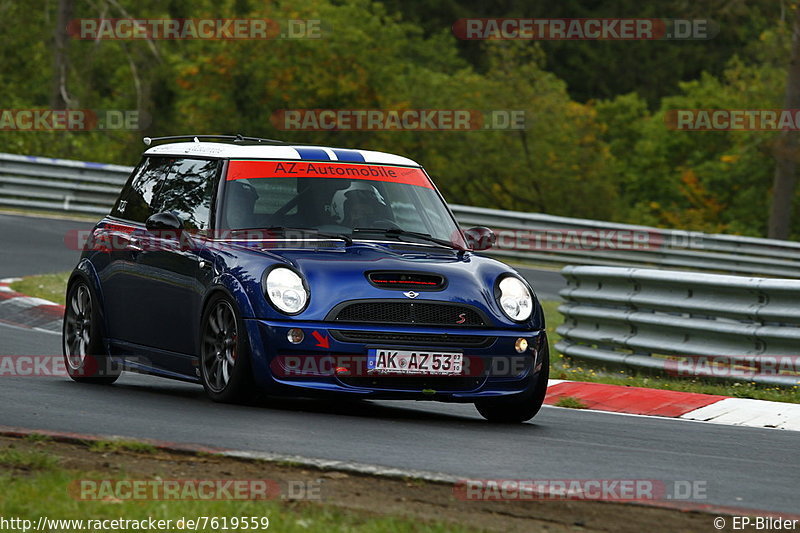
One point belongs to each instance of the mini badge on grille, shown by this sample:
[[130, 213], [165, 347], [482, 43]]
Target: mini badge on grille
[[411, 294]]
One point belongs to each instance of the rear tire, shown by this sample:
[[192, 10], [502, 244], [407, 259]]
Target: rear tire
[[519, 407], [85, 357], [225, 369]]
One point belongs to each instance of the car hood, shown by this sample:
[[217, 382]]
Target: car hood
[[337, 274]]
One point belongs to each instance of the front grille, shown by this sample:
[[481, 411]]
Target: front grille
[[419, 281], [412, 339], [419, 313], [416, 384]]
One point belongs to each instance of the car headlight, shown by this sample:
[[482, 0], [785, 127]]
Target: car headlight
[[514, 298], [286, 291]]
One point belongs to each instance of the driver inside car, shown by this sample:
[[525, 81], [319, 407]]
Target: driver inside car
[[361, 206]]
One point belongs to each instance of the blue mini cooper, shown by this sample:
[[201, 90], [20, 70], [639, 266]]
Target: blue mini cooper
[[255, 266]]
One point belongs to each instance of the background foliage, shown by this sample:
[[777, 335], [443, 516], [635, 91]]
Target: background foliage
[[596, 145]]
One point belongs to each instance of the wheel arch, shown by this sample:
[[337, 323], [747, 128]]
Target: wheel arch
[[86, 272], [229, 287]]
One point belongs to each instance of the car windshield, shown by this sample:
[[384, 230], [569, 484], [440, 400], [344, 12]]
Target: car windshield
[[363, 201]]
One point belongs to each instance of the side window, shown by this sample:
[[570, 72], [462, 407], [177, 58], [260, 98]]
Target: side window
[[136, 200], [119, 206], [187, 191]]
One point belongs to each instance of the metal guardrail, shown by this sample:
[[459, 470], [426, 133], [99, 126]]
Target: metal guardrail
[[721, 327], [81, 187], [59, 184], [663, 248]]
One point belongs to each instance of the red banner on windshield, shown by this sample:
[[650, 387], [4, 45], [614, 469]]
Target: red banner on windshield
[[238, 170]]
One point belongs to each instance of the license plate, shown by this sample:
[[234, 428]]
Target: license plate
[[384, 361]]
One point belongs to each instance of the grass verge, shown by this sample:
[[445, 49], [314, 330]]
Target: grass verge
[[117, 446], [52, 287], [14, 458], [26, 497], [42, 480], [77, 485], [48, 286]]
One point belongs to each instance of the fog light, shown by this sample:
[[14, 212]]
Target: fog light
[[295, 335], [521, 345]]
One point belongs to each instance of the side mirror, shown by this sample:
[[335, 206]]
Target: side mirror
[[480, 238], [163, 221]]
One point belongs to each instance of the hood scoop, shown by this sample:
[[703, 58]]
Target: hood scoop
[[404, 280]]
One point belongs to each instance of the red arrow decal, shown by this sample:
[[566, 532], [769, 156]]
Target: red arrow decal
[[322, 340]]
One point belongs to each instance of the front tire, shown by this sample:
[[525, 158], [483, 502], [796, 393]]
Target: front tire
[[85, 357], [519, 407], [224, 353]]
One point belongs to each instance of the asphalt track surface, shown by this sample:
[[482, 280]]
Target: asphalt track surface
[[740, 467]]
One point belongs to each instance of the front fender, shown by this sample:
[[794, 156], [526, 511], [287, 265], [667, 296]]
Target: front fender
[[231, 286]]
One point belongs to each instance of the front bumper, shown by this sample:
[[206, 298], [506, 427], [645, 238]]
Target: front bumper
[[331, 359]]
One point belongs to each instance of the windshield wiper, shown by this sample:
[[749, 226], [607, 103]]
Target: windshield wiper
[[283, 229], [405, 233]]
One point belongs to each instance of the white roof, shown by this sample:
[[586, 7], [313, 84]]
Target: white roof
[[267, 151]]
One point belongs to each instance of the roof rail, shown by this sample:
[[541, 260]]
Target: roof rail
[[235, 138]]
